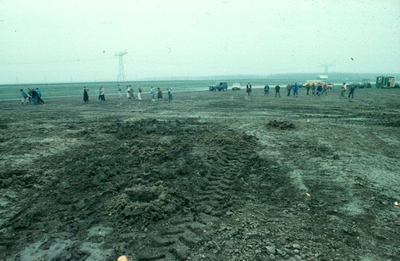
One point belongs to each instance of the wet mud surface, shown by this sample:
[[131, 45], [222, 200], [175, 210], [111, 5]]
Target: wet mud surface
[[210, 176]]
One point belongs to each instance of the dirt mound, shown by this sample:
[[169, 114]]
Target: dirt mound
[[282, 125], [163, 179]]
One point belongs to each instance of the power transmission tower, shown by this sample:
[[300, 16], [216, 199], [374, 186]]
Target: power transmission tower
[[327, 65], [121, 74]]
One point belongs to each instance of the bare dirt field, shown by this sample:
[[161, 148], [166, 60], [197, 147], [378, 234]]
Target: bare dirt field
[[209, 176]]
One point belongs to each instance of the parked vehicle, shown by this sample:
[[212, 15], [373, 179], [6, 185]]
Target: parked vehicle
[[219, 86], [315, 82], [312, 81], [235, 87], [365, 84], [385, 82], [329, 85]]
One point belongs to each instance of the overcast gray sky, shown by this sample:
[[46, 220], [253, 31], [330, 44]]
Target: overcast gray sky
[[76, 39]]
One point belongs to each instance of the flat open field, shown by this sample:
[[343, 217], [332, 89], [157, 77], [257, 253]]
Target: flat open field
[[209, 176]]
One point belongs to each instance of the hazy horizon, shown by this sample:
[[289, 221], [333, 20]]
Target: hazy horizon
[[75, 41]]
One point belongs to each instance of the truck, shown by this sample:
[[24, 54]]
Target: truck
[[385, 82], [219, 86]]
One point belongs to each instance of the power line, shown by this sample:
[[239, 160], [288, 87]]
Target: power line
[[64, 61]]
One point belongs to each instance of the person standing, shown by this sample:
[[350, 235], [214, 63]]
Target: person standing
[[248, 89], [119, 92], [266, 89], [169, 89], [277, 91], [288, 89], [131, 96], [127, 91], [295, 90], [102, 94], [153, 94], [325, 89], [308, 86], [25, 96], [351, 91], [319, 89], [85, 94], [139, 96], [343, 90], [313, 89], [159, 94]]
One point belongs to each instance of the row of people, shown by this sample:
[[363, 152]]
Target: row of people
[[316, 90], [129, 93]]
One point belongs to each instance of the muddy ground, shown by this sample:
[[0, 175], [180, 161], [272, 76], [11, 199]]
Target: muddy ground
[[209, 176]]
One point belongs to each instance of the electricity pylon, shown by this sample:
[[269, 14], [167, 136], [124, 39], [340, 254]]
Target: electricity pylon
[[121, 74], [327, 65]]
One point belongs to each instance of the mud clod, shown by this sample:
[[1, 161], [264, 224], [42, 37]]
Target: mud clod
[[282, 125]]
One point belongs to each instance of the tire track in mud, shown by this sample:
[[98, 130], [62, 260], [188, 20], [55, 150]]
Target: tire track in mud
[[212, 191], [155, 189]]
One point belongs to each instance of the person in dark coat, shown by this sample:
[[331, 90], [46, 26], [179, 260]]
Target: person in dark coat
[[288, 89], [35, 97], [308, 86], [159, 94], [248, 89], [319, 89], [351, 91], [39, 96], [266, 89], [85, 94], [277, 91]]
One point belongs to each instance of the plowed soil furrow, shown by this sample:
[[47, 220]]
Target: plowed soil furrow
[[209, 176]]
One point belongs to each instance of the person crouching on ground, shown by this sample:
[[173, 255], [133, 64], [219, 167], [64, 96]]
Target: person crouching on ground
[[30, 95], [34, 97], [39, 97]]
